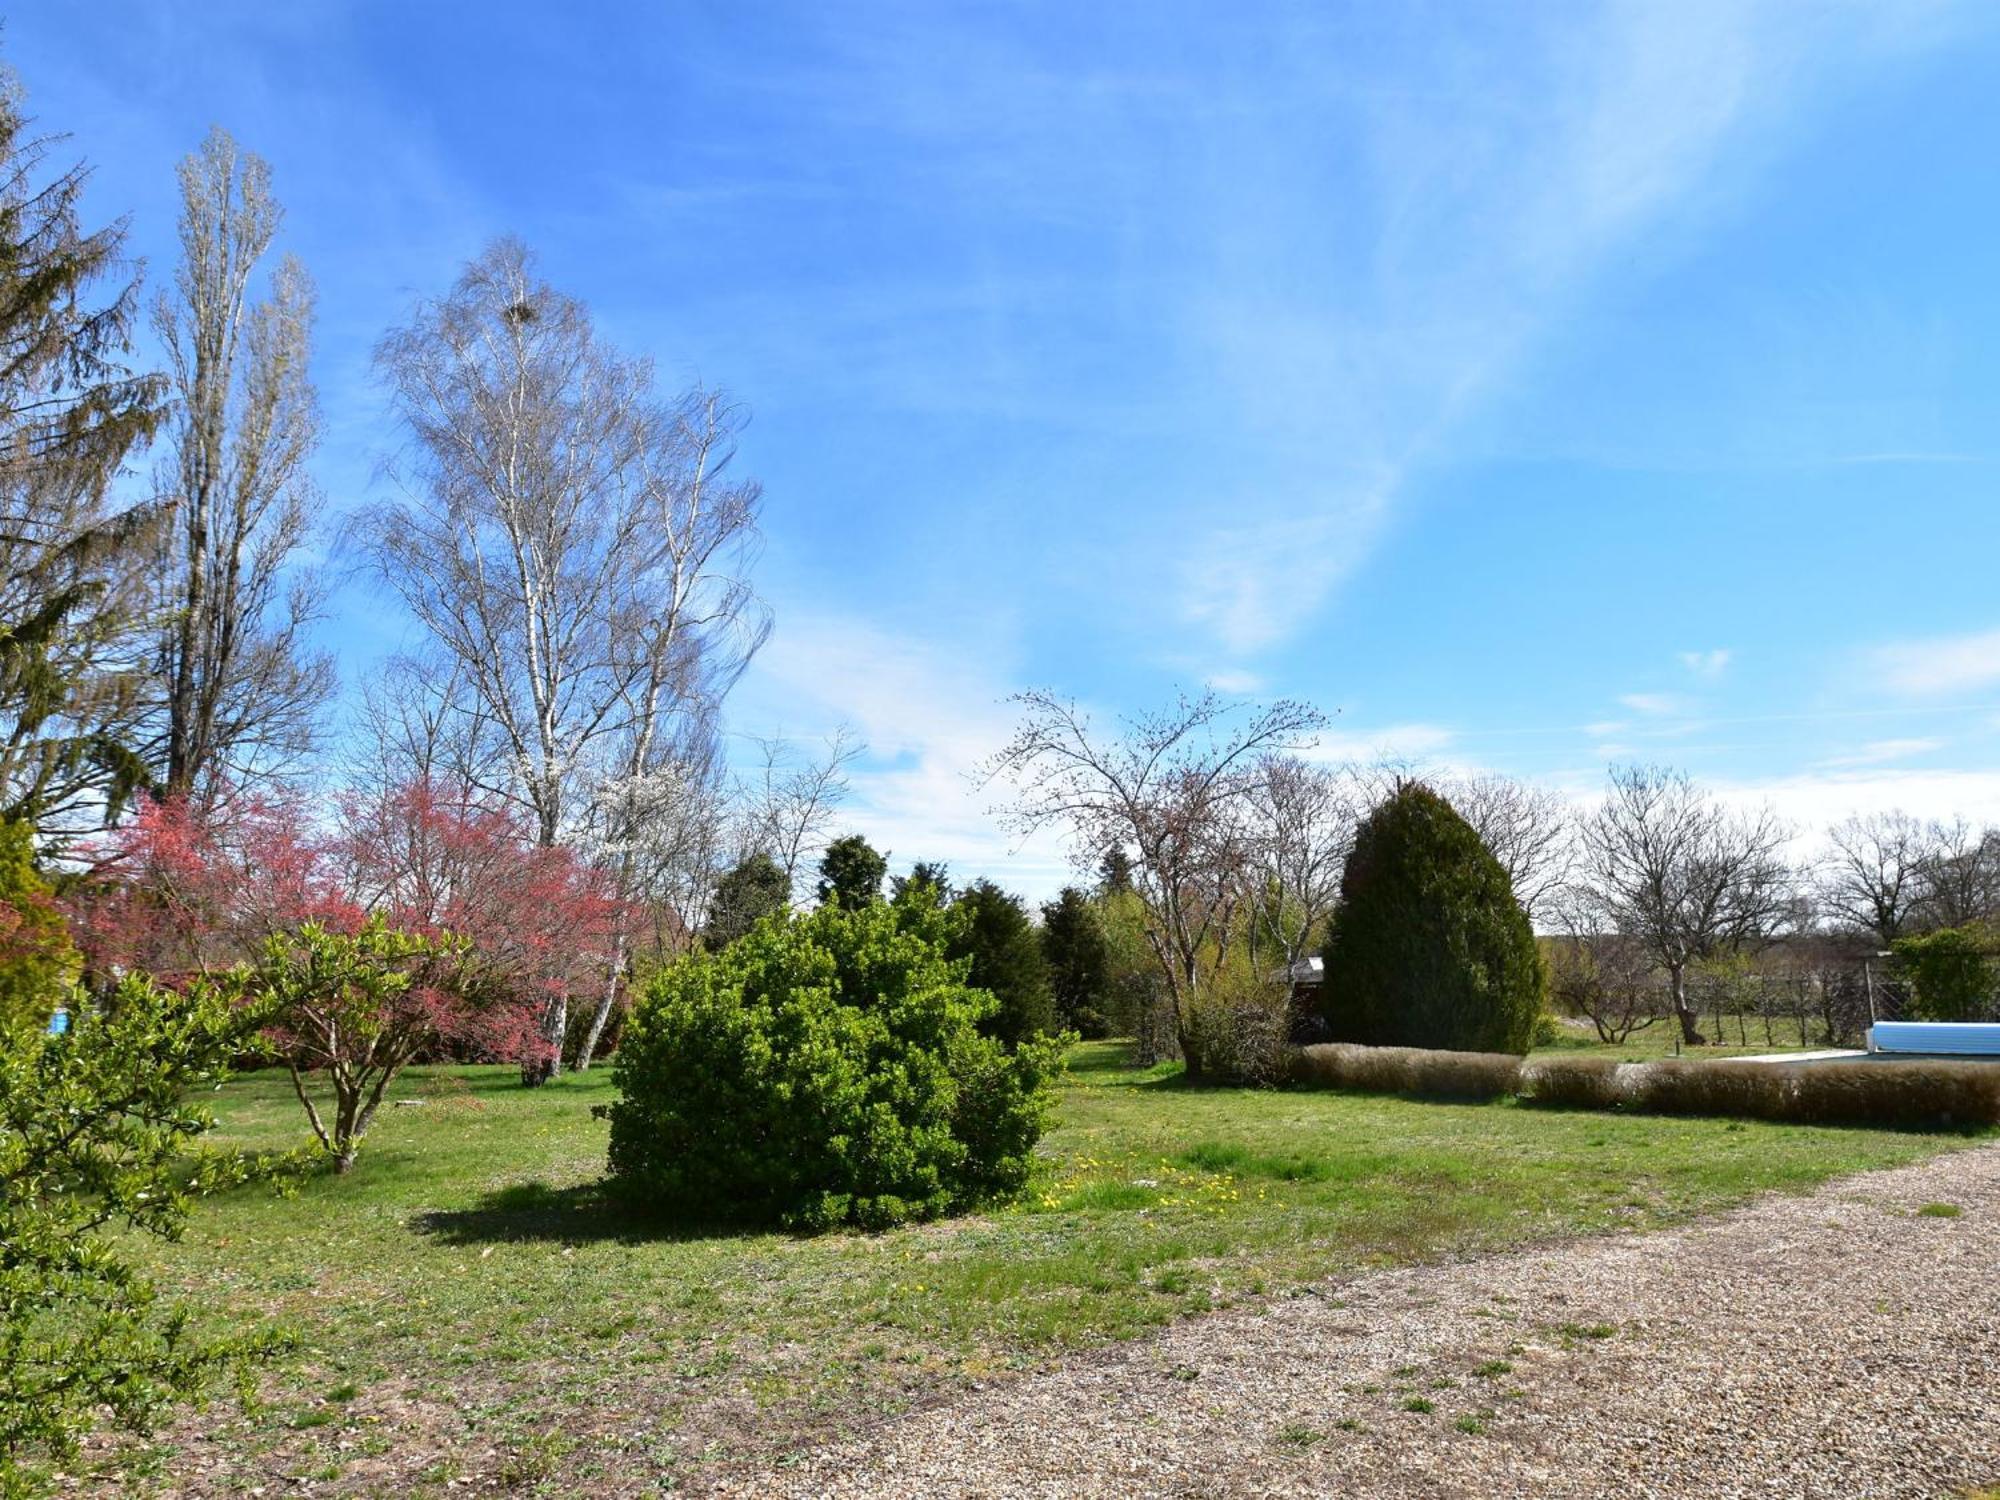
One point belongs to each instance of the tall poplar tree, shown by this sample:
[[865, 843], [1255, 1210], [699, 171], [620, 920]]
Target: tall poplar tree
[[242, 688]]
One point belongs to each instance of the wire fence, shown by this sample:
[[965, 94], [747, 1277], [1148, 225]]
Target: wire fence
[[1819, 1005]]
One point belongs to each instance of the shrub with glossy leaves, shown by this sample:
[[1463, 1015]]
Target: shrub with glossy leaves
[[824, 1070], [1429, 948], [100, 1137]]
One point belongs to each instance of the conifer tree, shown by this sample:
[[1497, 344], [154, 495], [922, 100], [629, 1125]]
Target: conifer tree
[[72, 412]]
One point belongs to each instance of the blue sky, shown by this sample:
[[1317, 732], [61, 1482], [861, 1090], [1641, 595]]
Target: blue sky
[[1534, 386]]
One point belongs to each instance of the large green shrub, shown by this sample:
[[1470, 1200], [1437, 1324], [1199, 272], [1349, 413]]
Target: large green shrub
[[101, 1141], [1950, 973], [824, 1070], [1429, 948]]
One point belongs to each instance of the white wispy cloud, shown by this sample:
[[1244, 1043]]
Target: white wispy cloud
[[1233, 681], [1250, 587], [1556, 164], [1938, 665], [1882, 752], [1813, 801], [1707, 663], [930, 716], [1410, 743], [1656, 705]]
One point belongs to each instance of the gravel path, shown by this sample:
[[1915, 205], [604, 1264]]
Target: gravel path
[[1838, 1344]]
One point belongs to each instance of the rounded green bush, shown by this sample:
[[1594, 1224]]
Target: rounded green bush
[[824, 1070], [1429, 948]]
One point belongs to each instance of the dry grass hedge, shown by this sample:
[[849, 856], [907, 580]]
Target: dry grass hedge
[[1955, 1094], [1575, 1082], [1410, 1070], [1914, 1094], [1744, 1091]]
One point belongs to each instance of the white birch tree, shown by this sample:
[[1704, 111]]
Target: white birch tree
[[575, 546]]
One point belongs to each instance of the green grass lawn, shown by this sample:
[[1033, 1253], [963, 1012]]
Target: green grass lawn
[[470, 1307]]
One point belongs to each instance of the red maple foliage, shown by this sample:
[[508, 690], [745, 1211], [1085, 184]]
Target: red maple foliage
[[436, 859], [179, 891]]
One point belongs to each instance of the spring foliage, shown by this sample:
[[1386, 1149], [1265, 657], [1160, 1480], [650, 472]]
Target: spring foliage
[[37, 959], [1951, 973], [1429, 948], [100, 1135], [824, 1070]]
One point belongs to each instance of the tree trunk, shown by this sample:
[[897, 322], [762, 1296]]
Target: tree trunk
[[604, 1004], [538, 1070], [1684, 1011]]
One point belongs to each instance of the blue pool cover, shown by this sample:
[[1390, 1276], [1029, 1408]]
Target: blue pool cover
[[1958, 1038]]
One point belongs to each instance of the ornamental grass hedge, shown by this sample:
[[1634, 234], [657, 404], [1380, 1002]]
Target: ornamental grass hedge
[[1901, 1094], [1419, 1071]]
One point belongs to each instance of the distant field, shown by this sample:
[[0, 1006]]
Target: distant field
[[471, 1309], [1658, 1040]]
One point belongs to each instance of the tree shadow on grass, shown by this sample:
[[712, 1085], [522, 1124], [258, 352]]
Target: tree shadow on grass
[[588, 1213]]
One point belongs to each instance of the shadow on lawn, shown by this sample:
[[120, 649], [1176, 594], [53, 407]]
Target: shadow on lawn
[[586, 1214]]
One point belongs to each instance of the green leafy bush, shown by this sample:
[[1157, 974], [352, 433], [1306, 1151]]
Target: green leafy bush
[[824, 1070], [1240, 1027], [100, 1136], [1429, 948], [1410, 1070], [1950, 973]]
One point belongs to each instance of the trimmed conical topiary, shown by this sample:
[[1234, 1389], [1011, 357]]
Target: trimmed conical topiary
[[1429, 948]]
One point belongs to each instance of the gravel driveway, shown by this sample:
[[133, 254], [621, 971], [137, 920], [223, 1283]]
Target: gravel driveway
[[1839, 1344]]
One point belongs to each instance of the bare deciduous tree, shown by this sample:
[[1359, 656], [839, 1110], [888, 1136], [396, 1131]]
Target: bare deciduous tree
[[1176, 789], [242, 688], [1674, 868], [575, 546], [1529, 830], [1608, 978], [1875, 872], [658, 830], [1306, 816], [1961, 874], [787, 804]]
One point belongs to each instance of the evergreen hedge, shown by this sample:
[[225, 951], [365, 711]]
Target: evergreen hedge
[[1429, 948]]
